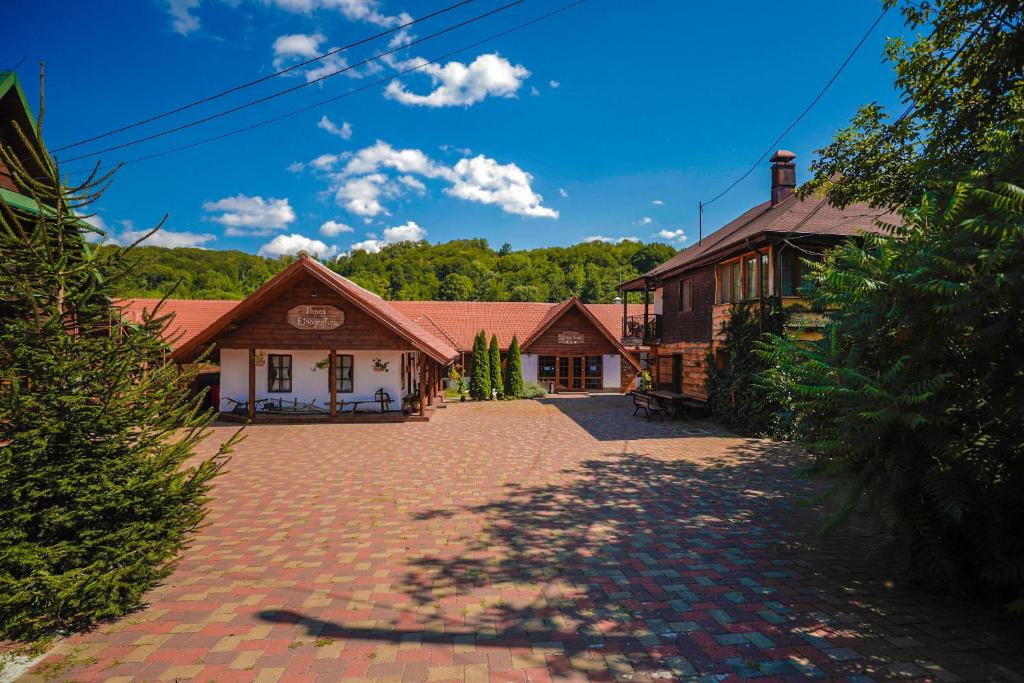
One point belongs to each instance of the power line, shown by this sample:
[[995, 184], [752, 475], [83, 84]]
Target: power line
[[348, 93], [280, 72], [804, 113], [295, 88]]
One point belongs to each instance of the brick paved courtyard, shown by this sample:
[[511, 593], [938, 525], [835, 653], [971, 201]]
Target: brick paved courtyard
[[562, 539]]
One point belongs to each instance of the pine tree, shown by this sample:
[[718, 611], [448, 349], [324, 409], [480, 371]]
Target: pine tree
[[513, 371], [95, 424], [497, 385], [480, 384]]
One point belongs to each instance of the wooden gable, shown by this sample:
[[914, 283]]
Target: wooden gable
[[268, 327], [572, 334]]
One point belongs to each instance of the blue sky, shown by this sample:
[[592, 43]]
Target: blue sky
[[612, 119]]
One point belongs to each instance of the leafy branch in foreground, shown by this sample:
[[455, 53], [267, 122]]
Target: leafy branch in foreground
[[99, 486], [915, 398]]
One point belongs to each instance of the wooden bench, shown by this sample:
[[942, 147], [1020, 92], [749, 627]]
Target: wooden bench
[[649, 404]]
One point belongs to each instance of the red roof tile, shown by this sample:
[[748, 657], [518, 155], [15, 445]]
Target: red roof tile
[[455, 322], [190, 316], [428, 342]]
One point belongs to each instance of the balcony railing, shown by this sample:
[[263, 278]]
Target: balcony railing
[[640, 329]]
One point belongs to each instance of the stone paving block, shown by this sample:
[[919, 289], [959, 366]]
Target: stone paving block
[[526, 540]]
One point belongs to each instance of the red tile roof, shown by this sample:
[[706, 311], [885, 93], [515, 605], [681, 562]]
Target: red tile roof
[[451, 322], [461, 320], [191, 316], [420, 338]]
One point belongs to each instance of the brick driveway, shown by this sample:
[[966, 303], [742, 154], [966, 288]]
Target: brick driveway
[[527, 540]]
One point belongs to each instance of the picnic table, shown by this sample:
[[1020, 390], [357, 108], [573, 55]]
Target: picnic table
[[675, 403]]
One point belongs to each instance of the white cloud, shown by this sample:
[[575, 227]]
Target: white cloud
[[554, 84], [353, 10], [482, 179], [293, 244], [182, 19], [457, 84], [325, 162], [296, 167], [300, 45], [364, 180], [382, 155], [646, 220], [97, 222], [610, 240], [412, 183], [361, 195], [331, 65], [672, 235], [344, 131], [333, 229], [407, 232], [243, 215], [534, 91], [166, 238], [658, 202], [562, 192]]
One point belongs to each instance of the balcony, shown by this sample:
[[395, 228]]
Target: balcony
[[640, 330]]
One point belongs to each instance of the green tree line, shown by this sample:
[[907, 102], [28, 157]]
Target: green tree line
[[460, 270]]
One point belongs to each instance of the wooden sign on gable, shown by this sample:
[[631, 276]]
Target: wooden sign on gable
[[316, 317], [570, 338]]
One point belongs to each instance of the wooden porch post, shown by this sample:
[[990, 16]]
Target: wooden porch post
[[760, 292], [252, 383], [332, 368], [431, 379], [423, 385]]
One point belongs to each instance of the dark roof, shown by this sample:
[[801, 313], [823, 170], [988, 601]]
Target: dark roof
[[791, 216]]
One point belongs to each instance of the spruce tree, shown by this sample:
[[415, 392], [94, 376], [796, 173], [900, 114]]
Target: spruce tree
[[95, 424], [480, 384], [497, 385], [513, 371]]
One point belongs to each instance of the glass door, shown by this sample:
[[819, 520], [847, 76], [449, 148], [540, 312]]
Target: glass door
[[577, 373]]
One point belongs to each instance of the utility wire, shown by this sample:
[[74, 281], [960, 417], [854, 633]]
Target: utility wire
[[295, 88], [804, 112], [243, 86], [348, 93]]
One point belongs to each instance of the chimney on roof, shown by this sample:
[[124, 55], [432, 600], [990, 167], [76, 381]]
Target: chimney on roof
[[783, 175]]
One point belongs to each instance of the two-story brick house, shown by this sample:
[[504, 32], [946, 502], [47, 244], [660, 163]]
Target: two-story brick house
[[752, 258]]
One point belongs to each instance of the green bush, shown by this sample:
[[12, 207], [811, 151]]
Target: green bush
[[915, 398], [95, 426], [513, 370], [494, 359], [533, 390], [480, 380], [735, 395]]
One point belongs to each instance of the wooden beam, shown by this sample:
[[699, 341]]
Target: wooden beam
[[431, 371], [423, 385], [332, 365], [252, 383]]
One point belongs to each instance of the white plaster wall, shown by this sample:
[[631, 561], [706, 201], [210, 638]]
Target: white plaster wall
[[307, 384], [529, 367], [612, 370], [658, 300]]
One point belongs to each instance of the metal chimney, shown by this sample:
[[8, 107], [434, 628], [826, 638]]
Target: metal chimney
[[783, 175]]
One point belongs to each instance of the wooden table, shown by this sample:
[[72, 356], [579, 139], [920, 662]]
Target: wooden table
[[673, 402]]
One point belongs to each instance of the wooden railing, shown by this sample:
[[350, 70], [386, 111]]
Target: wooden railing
[[640, 329]]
